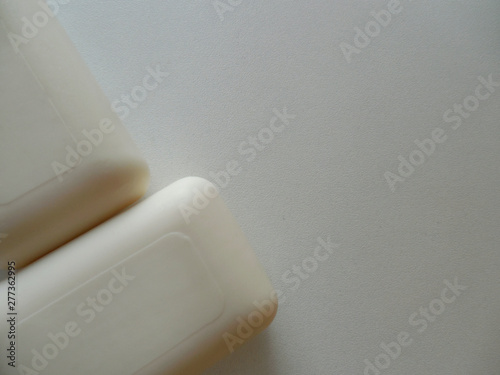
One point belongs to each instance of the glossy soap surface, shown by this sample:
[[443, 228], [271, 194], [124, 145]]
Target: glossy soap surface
[[170, 286], [66, 161]]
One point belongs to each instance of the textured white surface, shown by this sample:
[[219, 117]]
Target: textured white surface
[[324, 175]]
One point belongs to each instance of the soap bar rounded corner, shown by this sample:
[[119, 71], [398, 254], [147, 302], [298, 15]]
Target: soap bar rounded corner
[[133, 172], [190, 183]]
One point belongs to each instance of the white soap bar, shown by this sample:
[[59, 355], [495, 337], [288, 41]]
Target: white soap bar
[[167, 287], [66, 161]]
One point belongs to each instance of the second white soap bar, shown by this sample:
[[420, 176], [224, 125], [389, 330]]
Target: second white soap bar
[[66, 161], [168, 287]]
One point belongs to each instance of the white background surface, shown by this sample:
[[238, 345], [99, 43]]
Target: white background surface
[[324, 174]]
